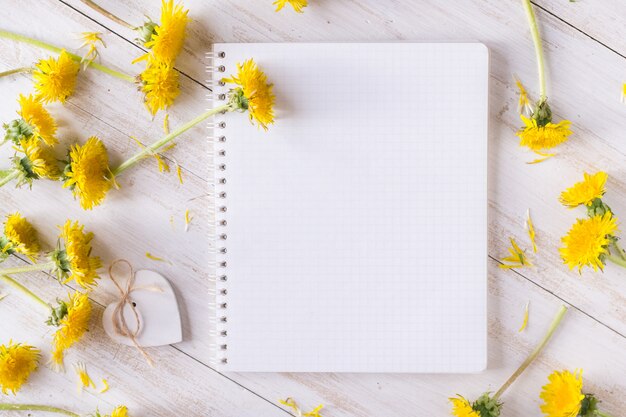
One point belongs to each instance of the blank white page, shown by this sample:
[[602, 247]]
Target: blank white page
[[356, 225]]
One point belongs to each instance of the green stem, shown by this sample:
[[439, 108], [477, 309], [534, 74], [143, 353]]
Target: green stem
[[20, 38], [25, 290], [6, 177], [29, 268], [15, 71], [35, 407], [149, 150], [534, 31], [108, 14], [534, 353], [601, 413], [618, 260]]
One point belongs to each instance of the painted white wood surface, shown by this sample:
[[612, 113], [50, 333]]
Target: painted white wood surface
[[583, 41]]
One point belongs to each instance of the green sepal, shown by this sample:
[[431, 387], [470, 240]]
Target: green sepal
[[57, 314], [17, 130], [486, 406], [588, 406], [598, 208], [6, 248], [542, 114], [145, 32], [25, 167], [238, 99], [62, 264]]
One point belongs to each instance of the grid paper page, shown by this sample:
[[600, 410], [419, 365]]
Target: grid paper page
[[356, 225]]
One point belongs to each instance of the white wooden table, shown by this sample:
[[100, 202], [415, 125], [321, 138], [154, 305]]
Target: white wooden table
[[586, 57]]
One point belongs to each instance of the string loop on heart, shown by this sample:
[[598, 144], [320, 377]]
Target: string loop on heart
[[119, 321]]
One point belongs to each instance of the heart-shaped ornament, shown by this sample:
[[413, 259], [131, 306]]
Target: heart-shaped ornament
[[157, 308]]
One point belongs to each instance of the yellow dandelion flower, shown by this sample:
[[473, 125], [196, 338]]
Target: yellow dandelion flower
[[40, 160], [55, 79], [254, 94], [42, 124], [168, 37], [120, 411], [562, 395], [462, 408], [584, 192], [516, 259], [84, 380], [88, 174], [20, 236], [72, 326], [586, 244], [90, 41], [538, 138], [17, 362], [159, 85], [74, 261], [297, 5]]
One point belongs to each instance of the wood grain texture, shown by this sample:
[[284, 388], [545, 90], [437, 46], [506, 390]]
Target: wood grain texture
[[584, 83]]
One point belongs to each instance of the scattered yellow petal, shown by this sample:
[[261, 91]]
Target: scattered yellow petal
[[624, 93], [84, 380], [297, 5], [90, 40], [3, 296], [516, 259], [163, 166], [523, 106], [156, 258], [105, 386], [544, 157], [290, 402], [188, 219], [179, 173], [166, 124], [525, 322], [530, 228]]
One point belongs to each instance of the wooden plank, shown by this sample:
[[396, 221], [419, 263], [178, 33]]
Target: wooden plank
[[177, 385], [603, 21], [147, 198]]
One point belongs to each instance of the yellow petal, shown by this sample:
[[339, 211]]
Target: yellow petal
[[525, 322], [531, 230]]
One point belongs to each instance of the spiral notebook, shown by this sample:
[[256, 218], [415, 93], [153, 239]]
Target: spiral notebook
[[351, 236]]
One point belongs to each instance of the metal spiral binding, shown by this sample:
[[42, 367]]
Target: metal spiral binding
[[219, 280]]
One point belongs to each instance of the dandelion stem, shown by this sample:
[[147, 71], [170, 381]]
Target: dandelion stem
[[534, 31], [25, 290], [8, 176], [149, 150], [28, 268], [534, 353], [35, 407], [601, 413], [108, 14], [15, 71], [617, 260], [40, 44]]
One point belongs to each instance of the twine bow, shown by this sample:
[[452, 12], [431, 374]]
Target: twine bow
[[119, 321]]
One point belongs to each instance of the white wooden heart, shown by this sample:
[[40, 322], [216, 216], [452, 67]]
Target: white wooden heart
[[156, 304]]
